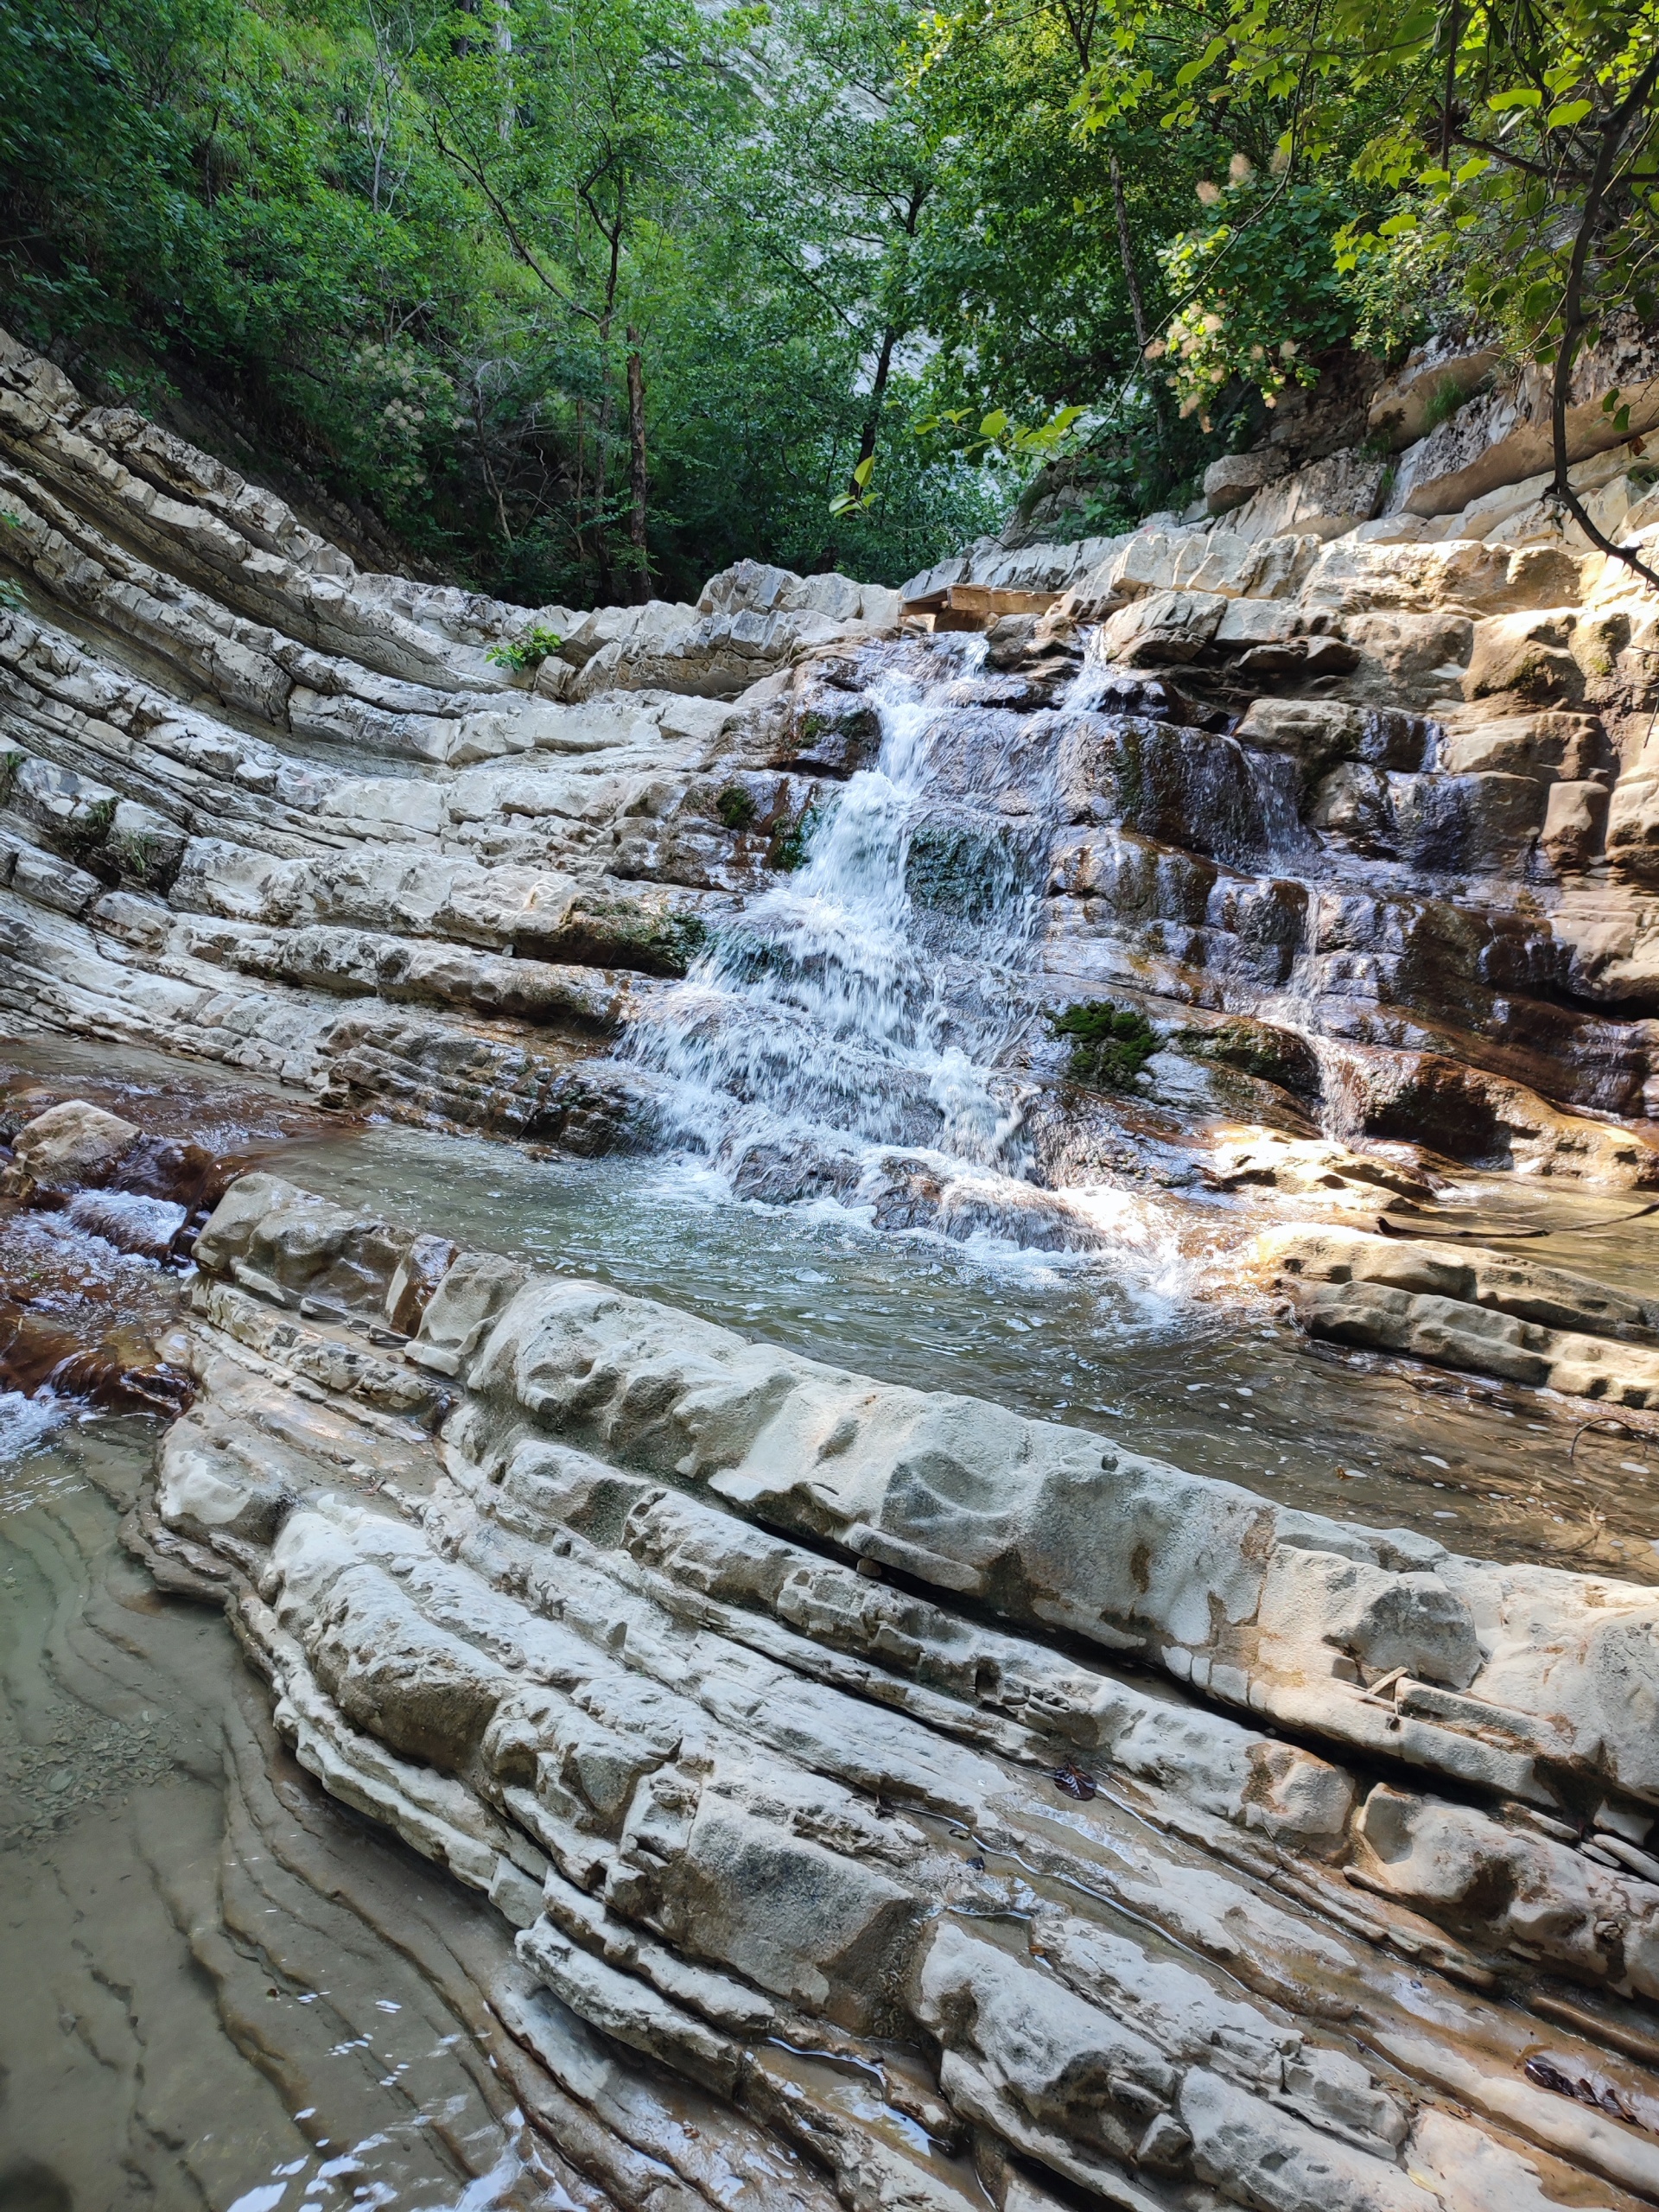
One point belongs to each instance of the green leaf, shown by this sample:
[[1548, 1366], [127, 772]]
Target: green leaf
[[862, 474], [994, 423], [1523, 96], [1563, 118]]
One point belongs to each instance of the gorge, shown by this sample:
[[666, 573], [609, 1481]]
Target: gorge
[[1170, 1725]]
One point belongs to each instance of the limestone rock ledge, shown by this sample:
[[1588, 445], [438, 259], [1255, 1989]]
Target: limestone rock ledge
[[261, 807], [734, 1682]]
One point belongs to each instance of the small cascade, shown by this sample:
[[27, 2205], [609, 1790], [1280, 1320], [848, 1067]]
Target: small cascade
[[850, 1039], [866, 1001]]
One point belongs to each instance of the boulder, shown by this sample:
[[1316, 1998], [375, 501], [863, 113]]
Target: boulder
[[1229, 482], [1323, 500], [1163, 628], [71, 1146]]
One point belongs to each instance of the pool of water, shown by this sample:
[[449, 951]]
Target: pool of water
[[1142, 1340], [221, 1988], [1129, 1341]]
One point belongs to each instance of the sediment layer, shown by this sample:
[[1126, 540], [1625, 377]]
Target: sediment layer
[[734, 1682]]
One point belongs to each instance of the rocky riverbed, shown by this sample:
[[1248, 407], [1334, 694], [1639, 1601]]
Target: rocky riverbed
[[847, 1601]]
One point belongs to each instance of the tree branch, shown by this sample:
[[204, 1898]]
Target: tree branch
[[470, 167], [1574, 321]]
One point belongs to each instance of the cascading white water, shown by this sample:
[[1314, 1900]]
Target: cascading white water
[[828, 1013], [850, 1039]]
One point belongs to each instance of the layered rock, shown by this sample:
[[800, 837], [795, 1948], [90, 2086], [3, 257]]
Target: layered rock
[[590, 1603]]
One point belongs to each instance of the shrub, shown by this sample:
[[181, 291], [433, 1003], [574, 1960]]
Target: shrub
[[528, 650], [735, 807]]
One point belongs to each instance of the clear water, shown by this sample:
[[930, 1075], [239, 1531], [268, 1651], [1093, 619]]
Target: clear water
[[1126, 1339], [221, 1989]]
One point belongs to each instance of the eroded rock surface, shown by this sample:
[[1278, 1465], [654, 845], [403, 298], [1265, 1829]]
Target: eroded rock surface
[[891, 1800], [258, 805], [589, 1602]]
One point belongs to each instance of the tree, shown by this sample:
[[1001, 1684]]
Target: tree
[[573, 133], [1521, 146]]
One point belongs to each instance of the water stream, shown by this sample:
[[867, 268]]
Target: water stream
[[863, 1004], [230, 1990]]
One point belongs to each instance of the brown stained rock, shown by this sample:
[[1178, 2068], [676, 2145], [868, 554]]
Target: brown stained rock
[[1463, 1113], [1527, 657], [1311, 1166], [1575, 825]]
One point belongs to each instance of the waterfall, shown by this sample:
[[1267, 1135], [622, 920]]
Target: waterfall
[[866, 1000], [849, 1037]]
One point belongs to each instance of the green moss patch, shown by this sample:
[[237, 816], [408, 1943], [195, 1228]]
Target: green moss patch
[[1111, 1044]]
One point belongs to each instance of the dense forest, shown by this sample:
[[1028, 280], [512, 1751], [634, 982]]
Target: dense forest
[[586, 297]]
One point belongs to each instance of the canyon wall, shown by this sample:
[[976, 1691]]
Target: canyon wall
[[892, 1801]]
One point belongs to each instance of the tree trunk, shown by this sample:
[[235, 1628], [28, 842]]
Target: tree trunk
[[1137, 305], [602, 461], [637, 465], [873, 419], [1574, 320]]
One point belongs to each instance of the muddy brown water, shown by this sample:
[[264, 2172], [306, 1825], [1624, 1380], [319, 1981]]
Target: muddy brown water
[[224, 1990]]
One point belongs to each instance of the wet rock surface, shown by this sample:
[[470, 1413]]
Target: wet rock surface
[[836, 1791], [658, 1641]]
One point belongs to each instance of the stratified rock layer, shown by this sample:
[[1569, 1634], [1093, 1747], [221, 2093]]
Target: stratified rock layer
[[258, 805], [588, 1601]]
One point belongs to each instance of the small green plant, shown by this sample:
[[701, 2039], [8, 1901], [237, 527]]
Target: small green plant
[[528, 650], [86, 829], [1444, 401], [735, 807], [790, 841], [1112, 1043], [11, 592]]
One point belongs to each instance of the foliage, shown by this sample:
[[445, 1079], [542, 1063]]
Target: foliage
[[1260, 265], [735, 807], [1112, 1043], [1516, 146], [587, 298], [528, 650]]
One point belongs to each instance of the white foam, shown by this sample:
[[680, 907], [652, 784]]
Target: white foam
[[25, 1423], [826, 1019]]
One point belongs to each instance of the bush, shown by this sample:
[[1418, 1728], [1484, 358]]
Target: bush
[[528, 650], [735, 807], [1112, 1043]]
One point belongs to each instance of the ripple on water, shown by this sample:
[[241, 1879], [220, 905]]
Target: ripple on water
[[221, 1988]]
